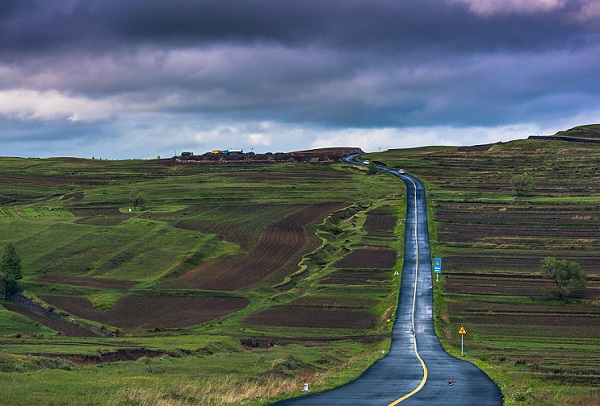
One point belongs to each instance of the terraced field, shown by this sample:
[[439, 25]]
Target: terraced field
[[224, 261], [220, 263]]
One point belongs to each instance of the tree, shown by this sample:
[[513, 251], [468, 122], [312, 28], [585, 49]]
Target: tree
[[523, 183], [567, 275], [10, 269], [371, 168], [136, 198]]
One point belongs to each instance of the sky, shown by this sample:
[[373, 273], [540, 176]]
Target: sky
[[121, 79]]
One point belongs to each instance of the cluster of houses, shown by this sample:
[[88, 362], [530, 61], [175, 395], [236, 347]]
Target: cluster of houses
[[322, 155]]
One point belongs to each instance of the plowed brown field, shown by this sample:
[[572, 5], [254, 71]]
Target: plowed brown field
[[314, 317], [356, 277], [380, 223], [150, 312], [282, 243], [368, 259]]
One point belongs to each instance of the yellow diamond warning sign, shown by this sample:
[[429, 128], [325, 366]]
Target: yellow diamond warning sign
[[462, 330]]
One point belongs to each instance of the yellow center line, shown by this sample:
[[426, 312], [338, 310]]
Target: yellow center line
[[425, 372]]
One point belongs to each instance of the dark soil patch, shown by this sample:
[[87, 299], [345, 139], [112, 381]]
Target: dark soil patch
[[65, 328], [356, 277], [368, 259], [233, 232], [380, 225], [484, 262], [125, 354], [503, 234], [313, 317], [90, 282], [75, 196], [505, 308], [529, 320], [151, 312], [493, 214], [334, 302]]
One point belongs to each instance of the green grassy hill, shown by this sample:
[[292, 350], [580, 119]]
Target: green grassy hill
[[156, 277], [591, 131]]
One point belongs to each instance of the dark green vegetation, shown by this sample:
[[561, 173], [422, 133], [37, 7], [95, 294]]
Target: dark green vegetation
[[222, 284], [567, 275], [10, 270], [523, 184], [540, 351]]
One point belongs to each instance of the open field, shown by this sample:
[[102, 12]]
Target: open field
[[228, 272], [540, 351], [316, 313]]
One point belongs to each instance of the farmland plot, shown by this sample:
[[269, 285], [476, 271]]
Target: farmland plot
[[352, 291], [281, 244], [150, 312], [147, 272]]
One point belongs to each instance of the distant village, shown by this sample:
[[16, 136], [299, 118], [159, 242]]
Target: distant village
[[322, 155]]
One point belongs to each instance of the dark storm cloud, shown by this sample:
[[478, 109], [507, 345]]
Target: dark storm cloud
[[39, 25], [324, 64]]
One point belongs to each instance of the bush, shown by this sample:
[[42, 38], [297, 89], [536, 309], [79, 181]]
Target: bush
[[523, 183], [566, 274]]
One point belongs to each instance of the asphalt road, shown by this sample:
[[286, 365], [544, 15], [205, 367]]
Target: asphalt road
[[417, 369]]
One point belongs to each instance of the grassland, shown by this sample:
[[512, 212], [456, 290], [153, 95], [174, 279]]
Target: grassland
[[540, 351], [281, 231], [81, 244]]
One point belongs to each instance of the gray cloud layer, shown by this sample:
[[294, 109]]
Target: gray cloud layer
[[78, 76]]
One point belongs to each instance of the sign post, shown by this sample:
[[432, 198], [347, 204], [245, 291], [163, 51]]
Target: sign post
[[462, 333], [437, 268]]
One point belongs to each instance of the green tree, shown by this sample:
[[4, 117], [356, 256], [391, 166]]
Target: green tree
[[567, 275], [523, 183], [10, 269], [136, 198], [371, 168]]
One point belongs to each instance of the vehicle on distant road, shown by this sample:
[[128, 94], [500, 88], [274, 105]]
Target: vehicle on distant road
[[401, 171]]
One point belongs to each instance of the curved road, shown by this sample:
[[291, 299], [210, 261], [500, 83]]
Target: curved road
[[417, 369]]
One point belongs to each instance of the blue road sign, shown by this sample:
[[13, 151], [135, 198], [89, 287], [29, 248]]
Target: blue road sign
[[437, 265]]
